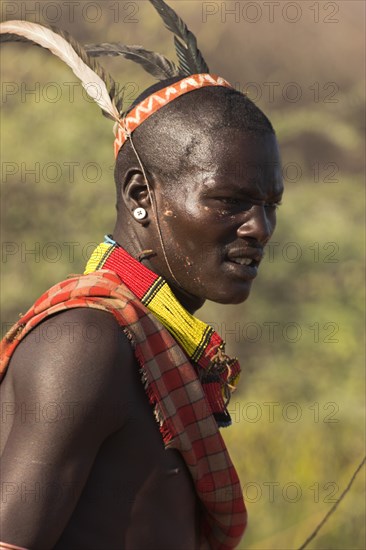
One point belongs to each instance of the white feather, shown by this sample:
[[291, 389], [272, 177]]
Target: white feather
[[91, 82]]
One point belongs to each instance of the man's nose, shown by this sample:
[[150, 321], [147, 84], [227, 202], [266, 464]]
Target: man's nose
[[257, 225]]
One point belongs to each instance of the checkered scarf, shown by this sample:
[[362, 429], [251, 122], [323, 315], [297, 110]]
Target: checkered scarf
[[173, 388], [218, 373]]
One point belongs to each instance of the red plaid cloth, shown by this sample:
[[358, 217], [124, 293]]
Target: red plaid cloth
[[173, 388]]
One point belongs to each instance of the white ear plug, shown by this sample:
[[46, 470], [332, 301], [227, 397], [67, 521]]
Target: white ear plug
[[139, 213]]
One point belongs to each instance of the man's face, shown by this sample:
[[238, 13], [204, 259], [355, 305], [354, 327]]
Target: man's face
[[216, 221]]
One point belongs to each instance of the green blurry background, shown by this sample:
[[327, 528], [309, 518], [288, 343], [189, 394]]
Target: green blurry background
[[298, 427]]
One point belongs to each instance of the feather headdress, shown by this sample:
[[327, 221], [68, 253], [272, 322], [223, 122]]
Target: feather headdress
[[154, 63], [99, 85], [192, 68], [190, 58]]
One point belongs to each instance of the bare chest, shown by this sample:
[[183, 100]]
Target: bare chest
[[138, 496]]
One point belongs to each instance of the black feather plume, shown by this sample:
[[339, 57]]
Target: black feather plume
[[154, 63], [190, 58], [9, 37]]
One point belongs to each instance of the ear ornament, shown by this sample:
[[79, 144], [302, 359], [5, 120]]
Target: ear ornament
[[139, 213]]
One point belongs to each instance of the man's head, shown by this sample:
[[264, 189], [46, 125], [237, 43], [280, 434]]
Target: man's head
[[213, 167], [205, 166]]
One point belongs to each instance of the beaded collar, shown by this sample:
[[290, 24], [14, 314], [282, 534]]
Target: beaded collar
[[217, 372]]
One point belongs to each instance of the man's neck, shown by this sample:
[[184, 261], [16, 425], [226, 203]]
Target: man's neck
[[188, 301]]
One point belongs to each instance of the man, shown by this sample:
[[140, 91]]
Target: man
[[198, 183]]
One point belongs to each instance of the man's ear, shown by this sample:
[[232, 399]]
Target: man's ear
[[135, 191]]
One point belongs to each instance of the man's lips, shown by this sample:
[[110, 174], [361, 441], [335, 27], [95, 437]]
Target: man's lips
[[246, 256]]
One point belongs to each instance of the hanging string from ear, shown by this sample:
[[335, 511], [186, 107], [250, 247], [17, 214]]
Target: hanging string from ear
[[153, 206]]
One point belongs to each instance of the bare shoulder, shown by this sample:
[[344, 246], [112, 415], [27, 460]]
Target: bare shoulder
[[78, 356], [67, 390]]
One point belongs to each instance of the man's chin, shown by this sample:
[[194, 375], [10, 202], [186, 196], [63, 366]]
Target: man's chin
[[233, 295]]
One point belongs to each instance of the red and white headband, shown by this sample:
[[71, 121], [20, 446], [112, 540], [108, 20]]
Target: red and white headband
[[159, 99]]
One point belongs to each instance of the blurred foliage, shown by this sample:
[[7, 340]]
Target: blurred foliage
[[298, 416]]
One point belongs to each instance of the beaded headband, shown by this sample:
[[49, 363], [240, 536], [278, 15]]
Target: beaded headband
[[159, 99]]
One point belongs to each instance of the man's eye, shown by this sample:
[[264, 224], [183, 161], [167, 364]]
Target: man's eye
[[274, 205], [228, 200]]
